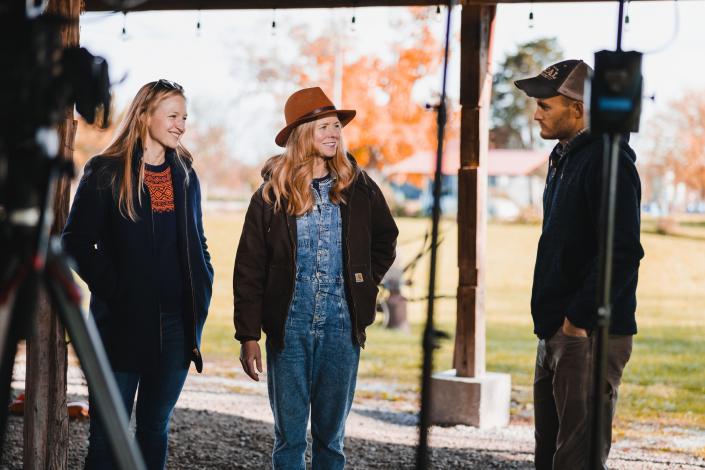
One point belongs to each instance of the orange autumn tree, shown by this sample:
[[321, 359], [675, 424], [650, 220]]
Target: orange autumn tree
[[391, 124], [677, 140], [388, 132]]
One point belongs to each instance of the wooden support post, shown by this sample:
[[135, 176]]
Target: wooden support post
[[475, 87], [46, 418]]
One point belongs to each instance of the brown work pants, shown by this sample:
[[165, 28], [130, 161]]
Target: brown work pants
[[563, 398]]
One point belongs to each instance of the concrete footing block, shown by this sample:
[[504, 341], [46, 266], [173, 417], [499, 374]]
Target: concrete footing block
[[482, 401]]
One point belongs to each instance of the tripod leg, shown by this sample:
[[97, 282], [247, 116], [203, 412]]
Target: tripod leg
[[18, 302], [94, 361]]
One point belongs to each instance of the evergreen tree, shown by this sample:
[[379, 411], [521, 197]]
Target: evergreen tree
[[512, 122]]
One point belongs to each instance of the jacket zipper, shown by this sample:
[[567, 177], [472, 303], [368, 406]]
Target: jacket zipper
[[555, 180], [190, 274]]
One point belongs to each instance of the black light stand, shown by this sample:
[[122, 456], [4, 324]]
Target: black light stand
[[431, 335], [604, 311], [615, 106]]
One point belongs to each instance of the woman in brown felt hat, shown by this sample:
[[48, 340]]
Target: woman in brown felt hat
[[318, 238]]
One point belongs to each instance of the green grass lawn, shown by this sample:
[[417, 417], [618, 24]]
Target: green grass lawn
[[665, 378]]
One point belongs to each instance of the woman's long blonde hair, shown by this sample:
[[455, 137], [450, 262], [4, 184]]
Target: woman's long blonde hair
[[131, 132], [290, 174]]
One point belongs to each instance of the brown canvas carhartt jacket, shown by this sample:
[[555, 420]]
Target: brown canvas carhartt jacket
[[265, 263]]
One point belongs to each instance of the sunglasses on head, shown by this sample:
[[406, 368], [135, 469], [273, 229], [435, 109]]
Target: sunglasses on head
[[168, 85]]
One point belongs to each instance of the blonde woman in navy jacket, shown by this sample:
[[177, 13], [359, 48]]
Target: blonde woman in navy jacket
[[136, 234]]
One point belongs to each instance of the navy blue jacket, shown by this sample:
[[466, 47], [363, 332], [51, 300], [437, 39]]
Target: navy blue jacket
[[566, 272], [116, 257]]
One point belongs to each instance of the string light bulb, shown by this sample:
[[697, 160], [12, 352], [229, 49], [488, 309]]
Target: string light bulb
[[124, 26], [198, 24], [274, 21]]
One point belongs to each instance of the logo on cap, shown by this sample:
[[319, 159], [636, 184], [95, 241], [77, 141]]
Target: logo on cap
[[550, 73]]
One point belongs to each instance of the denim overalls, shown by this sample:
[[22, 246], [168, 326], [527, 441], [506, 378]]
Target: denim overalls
[[317, 368]]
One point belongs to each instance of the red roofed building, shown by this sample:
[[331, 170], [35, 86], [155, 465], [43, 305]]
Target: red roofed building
[[515, 179]]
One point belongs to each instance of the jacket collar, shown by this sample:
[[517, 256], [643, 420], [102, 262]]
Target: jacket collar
[[578, 141], [562, 149], [170, 156], [583, 139]]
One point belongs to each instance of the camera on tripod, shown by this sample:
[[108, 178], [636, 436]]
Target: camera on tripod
[[40, 80]]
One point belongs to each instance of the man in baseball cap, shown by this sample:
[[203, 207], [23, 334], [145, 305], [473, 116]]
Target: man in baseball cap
[[564, 293], [558, 91]]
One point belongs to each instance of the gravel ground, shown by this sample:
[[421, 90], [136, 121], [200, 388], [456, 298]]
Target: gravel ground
[[222, 423]]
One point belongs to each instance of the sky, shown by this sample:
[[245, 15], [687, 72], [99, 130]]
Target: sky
[[208, 62]]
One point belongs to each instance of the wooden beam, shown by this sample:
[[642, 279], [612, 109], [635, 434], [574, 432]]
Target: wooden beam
[[117, 5], [46, 417], [477, 24]]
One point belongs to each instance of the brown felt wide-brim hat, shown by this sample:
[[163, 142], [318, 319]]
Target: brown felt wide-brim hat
[[308, 105]]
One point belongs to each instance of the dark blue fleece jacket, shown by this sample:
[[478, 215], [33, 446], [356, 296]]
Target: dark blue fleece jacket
[[566, 272]]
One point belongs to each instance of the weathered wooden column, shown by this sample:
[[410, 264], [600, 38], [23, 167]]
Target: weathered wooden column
[[468, 394], [475, 90], [46, 418]]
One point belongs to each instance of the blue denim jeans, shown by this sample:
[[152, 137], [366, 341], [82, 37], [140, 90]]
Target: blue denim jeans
[[158, 392], [316, 371]]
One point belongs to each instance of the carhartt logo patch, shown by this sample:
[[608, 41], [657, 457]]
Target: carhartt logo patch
[[550, 73], [359, 278]]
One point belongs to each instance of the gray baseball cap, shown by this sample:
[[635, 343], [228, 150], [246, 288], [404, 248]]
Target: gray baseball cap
[[565, 78]]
